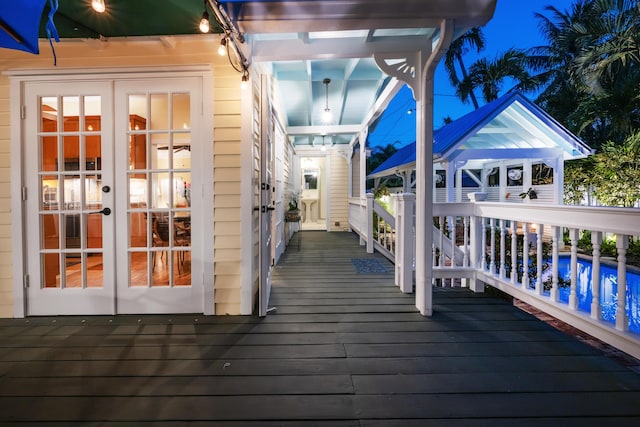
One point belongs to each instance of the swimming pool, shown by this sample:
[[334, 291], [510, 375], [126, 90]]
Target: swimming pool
[[608, 290]]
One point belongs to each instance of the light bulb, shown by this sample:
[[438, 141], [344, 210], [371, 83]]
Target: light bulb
[[204, 22], [98, 5], [326, 115], [222, 49], [245, 82], [323, 148]]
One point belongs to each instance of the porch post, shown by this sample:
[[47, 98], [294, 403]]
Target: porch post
[[424, 172], [417, 70], [363, 162], [404, 241]]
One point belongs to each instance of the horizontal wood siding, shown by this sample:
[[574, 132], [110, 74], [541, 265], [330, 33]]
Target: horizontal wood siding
[[338, 190], [6, 275], [151, 52], [227, 204]]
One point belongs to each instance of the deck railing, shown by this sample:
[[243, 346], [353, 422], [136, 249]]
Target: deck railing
[[516, 248]]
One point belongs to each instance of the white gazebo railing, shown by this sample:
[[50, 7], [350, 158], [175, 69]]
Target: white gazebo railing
[[516, 248]]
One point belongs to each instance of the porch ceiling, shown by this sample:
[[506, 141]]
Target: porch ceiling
[[302, 42]]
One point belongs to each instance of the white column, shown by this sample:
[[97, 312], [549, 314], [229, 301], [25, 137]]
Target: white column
[[369, 222], [477, 243], [363, 162], [539, 281]]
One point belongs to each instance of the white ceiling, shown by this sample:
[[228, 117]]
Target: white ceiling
[[305, 42]]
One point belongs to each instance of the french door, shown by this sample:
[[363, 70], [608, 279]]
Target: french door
[[109, 180], [69, 182]]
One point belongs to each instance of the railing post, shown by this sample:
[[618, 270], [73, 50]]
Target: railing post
[[476, 251], [369, 223], [503, 248], [404, 241], [622, 319], [596, 306], [514, 252]]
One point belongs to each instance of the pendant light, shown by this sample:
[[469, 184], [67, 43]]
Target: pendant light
[[204, 22], [326, 115]]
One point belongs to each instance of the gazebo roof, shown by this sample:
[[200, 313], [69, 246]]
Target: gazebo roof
[[508, 128]]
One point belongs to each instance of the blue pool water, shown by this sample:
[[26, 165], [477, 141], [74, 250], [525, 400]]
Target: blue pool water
[[608, 290]]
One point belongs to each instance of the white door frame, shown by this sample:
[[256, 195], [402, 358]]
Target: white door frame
[[18, 80]]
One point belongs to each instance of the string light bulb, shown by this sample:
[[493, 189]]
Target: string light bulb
[[324, 147], [326, 115], [98, 5], [222, 49], [204, 22], [244, 84]]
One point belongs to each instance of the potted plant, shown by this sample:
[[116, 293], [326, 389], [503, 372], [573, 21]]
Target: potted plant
[[531, 193], [293, 213]]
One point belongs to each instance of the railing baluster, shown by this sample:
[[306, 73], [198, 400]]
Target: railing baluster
[[554, 260], [492, 261], [503, 248], [453, 237], [514, 251], [596, 306], [465, 244], [573, 295], [622, 319], [441, 246], [539, 252], [483, 259], [525, 255]]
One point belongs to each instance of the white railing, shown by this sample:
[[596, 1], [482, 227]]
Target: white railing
[[509, 246]]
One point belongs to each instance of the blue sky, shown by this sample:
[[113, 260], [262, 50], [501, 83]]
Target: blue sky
[[513, 25]]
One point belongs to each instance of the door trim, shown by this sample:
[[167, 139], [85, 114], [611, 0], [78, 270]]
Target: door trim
[[17, 81]]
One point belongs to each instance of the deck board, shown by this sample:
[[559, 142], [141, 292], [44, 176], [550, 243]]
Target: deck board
[[342, 348]]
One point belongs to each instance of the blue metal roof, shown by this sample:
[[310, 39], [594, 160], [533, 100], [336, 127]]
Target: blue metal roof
[[510, 122]]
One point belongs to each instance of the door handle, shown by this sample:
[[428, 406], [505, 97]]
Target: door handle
[[265, 209], [104, 211]]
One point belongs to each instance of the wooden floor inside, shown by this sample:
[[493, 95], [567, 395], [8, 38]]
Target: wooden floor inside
[[343, 347]]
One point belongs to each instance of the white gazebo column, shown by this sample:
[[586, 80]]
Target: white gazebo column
[[418, 70], [363, 162]]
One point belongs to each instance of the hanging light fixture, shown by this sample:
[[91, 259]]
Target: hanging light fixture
[[98, 5], [326, 115], [204, 22], [222, 49], [324, 147]]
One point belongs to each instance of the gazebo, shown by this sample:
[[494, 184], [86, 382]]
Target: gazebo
[[509, 150]]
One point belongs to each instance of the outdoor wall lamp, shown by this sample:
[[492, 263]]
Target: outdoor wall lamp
[[326, 115]]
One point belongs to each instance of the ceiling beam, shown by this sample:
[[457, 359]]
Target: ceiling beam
[[323, 130]]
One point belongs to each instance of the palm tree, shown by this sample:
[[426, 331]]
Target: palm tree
[[592, 67], [472, 39], [491, 75]]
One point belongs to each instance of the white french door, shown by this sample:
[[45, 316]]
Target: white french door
[[110, 211], [157, 142], [69, 182]]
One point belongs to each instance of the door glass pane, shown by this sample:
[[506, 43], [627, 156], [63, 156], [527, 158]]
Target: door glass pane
[[71, 113], [49, 192], [93, 192], [49, 114], [94, 230], [51, 270], [71, 150], [181, 111], [138, 269], [138, 229], [93, 153], [95, 270], [50, 238], [73, 270], [137, 191], [49, 153], [72, 192], [159, 111]]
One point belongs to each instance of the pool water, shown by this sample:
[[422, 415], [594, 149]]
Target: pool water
[[608, 290]]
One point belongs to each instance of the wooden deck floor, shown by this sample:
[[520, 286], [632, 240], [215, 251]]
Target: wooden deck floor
[[343, 348]]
